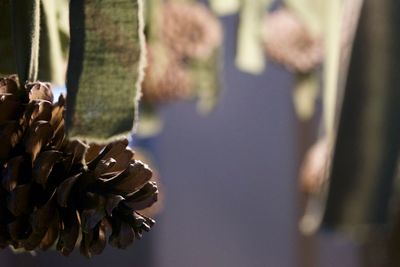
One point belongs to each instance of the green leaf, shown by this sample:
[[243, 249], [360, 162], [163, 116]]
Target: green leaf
[[105, 68]]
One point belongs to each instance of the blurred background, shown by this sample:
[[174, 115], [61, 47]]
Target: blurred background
[[230, 182]]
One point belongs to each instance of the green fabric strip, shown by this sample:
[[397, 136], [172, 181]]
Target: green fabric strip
[[366, 152], [105, 68], [305, 94], [225, 7], [207, 81], [153, 18], [250, 53], [52, 45], [7, 62], [26, 32]]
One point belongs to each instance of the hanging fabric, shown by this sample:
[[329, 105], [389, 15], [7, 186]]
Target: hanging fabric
[[367, 144], [105, 68]]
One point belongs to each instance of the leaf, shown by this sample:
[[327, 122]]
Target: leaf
[[105, 66]]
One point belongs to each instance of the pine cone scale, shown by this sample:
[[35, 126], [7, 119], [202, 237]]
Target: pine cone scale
[[69, 231], [19, 200], [43, 166]]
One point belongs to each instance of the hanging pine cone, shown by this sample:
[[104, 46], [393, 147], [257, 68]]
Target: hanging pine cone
[[288, 42], [191, 30], [53, 190], [166, 80]]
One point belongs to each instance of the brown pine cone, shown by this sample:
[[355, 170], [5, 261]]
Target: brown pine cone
[[54, 190], [190, 30], [288, 42], [166, 80]]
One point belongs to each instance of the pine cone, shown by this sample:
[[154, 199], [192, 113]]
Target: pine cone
[[54, 190], [190, 30], [288, 42], [166, 80]]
